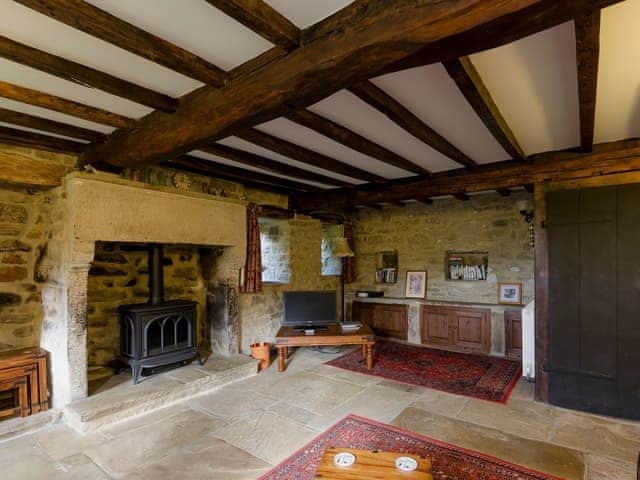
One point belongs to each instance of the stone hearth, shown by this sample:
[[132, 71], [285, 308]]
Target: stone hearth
[[104, 208]]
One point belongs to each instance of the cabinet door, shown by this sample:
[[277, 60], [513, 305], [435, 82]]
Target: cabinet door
[[471, 329], [513, 334], [363, 312], [435, 326], [391, 321]]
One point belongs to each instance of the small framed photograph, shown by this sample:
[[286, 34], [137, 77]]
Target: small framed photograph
[[510, 293], [416, 286]]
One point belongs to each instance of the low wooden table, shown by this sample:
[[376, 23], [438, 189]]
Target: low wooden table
[[24, 372], [331, 335], [371, 465]]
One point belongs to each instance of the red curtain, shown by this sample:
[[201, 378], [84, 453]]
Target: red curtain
[[253, 267], [349, 263]]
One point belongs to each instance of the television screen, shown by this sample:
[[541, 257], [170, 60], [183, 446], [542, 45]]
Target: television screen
[[310, 308]]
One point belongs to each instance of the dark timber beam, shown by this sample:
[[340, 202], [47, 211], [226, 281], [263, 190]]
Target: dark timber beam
[[264, 20], [304, 155], [468, 80], [607, 158], [587, 28], [49, 126], [69, 107], [373, 34], [401, 116], [352, 140], [88, 77], [22, 138], [253, 160], [227, 172], [27, 172], [500, 31], [100, 24], [504, 192]]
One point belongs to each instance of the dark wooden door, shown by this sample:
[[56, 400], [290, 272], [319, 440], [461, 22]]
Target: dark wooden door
[[471, 328], [435, 326], [513, 334], [391, 321], [593, 314]]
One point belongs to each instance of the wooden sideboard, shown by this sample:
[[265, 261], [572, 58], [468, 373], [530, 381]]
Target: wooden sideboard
[[385, 319], [456, 328], [513, 334]]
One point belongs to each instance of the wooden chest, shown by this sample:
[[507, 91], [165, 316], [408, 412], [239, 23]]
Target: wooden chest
[[24, 373]]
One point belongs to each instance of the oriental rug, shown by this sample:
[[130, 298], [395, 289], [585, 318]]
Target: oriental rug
[[448, 462], [478, 376]]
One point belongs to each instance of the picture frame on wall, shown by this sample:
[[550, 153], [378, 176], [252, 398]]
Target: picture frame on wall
[[416, 285], [510, 293]]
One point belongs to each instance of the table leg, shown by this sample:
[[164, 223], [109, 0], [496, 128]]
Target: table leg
[[282, 357], [364, 350], [369, 349]]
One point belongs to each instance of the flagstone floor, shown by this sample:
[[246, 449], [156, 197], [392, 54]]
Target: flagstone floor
[[242, 430]]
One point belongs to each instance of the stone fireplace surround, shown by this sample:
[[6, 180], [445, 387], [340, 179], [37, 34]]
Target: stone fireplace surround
[[103, 207]]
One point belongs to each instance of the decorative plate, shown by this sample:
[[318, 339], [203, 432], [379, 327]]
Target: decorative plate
[[181, 181]]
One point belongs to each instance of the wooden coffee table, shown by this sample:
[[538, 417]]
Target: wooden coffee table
[[371, 465], [331, 335]]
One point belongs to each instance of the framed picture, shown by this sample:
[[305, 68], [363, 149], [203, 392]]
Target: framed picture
[[510, 293], [416, 286]]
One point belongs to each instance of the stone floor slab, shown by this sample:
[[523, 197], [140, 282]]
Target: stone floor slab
[[603, 468], [231, 402], [442, 403], [267, 436], [560, 461], [146, 445], [313, 392]]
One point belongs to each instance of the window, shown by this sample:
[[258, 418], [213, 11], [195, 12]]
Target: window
[[330, 264], [274, 248]]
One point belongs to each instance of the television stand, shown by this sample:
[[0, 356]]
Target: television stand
[[332, 335]]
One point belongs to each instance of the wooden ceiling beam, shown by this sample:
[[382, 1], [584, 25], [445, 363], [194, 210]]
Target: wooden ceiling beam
[[587, 28], [69, 107], [608, 158], [235, 174], [253, 160], [354, 141], [503, 30], [85, 17], [468, 80], [304, 155], [85, 76], [379, 33], [264, 20], [401, 116], [49, 126], [23, 138], [27, 172]]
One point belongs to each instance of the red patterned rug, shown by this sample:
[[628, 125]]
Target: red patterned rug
[[448, 462], [487, 378]]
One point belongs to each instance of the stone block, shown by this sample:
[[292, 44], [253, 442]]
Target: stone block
[[8, 299], [14, 259], [13, 273], [13, 213], [14, 246]]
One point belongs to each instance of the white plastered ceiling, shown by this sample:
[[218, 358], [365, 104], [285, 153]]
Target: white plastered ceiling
[[533, 82]]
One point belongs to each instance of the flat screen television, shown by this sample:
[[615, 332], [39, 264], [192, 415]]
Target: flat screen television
[[310, 309]]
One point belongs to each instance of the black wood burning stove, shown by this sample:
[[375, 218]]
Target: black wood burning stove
[[157, 333]]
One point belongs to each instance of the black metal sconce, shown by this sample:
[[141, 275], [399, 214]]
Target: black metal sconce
[[529, 215]]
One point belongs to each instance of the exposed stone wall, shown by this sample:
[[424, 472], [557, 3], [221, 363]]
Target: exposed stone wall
[[423, 234], [25, 225], [261, 313], [24, 231], [120, 275]]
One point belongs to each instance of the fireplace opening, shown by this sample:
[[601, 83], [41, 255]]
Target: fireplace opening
[[130, 320]]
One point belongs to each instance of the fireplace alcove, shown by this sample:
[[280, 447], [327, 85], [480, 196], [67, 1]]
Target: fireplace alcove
[[104, 208]]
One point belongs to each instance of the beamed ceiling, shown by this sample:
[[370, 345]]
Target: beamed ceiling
[[305, 96]]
